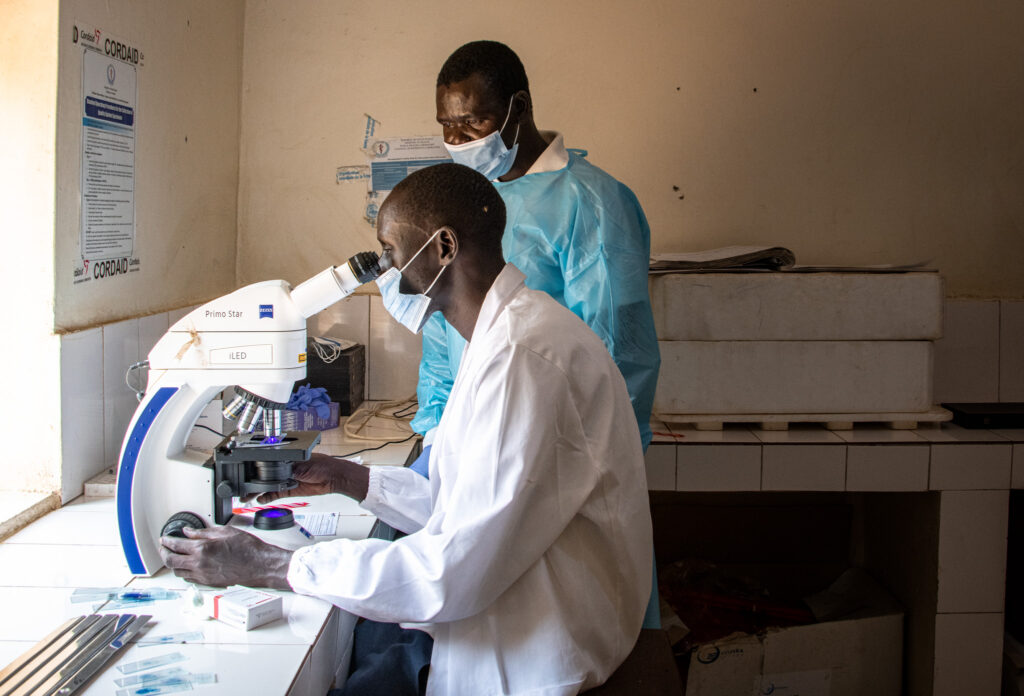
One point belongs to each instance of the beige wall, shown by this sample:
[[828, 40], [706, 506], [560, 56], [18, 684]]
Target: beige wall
[[29, 353], [186, 156], [879, 131]]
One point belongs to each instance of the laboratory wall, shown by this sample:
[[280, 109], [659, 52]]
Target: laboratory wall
[[29, 352], [873, 132], [185, 158]]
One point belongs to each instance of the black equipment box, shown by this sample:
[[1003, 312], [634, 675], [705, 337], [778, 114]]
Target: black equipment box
[[988, 415], [343, 378]]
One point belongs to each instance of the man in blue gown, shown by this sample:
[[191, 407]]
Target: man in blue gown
[[576, 232]]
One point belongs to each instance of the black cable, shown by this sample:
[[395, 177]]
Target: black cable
[[371, 449], [399, 413], [206, 427]]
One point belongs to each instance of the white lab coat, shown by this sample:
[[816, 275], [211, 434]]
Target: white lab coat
[[529, 557]]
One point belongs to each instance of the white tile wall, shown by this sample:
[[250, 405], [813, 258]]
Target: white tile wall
[[324, 657], [151, 330], [81, 405], [1011, 350], [968, 654], [120, 349], [96, 404], [803, 468], [972, 550], [967, 356], [303, 683], [660, 461], [970, 466], [393, 356], [707, 468], [883, 468]]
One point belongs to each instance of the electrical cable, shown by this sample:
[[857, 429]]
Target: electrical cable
[[139, 391], [206, 427], [399, 413], [357, 421], [327, 349], [371, 449]]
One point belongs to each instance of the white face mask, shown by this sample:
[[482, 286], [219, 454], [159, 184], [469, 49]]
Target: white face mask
[[488, 155], [408, 310]]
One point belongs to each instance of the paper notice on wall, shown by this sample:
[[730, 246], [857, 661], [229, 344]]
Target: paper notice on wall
[[109, 124], [393, 159], [389, 160]]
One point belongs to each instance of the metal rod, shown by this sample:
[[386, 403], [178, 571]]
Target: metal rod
[[51, 658], [8, 672], [105, 654]]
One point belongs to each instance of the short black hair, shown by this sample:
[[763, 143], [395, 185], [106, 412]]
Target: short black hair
[[456, 196], [496, 63]]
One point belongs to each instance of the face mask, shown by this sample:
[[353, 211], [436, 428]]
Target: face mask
[[408, 310], [488, 155]]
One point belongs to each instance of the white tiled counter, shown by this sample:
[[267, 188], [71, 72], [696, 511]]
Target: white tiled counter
[[933, 508], [77, 546]]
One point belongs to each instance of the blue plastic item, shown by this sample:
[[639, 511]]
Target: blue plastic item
[[306, 397], [422, 463]]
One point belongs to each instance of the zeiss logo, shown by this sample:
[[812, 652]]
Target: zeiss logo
[[266, 311]]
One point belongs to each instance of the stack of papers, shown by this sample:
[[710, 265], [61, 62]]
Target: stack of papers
[[725, 258], [754, 259]]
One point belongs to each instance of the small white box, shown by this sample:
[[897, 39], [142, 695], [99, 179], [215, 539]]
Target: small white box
[[245, 608]]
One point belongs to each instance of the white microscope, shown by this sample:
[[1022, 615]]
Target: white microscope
[[255, 340]]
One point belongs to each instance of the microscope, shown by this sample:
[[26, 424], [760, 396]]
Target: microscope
[[253, 339]]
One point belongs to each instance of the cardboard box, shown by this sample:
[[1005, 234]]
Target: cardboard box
[[245, 608], [309, 420], [855, 649]]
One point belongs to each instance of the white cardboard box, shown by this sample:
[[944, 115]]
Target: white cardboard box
[[737, 377], [803, 306], [858, 651], [245, 608]]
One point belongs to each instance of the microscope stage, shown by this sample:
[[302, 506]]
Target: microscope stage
[[295, 446]]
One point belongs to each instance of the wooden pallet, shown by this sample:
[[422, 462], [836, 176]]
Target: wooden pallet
[[832, 421]]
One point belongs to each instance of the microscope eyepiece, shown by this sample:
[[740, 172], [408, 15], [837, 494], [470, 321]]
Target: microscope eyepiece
[[365, 266], [335, 283]]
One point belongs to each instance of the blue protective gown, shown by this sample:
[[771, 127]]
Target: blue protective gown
[[582, 237]]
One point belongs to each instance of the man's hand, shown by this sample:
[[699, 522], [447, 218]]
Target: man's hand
[[323, 474], [223, 556]]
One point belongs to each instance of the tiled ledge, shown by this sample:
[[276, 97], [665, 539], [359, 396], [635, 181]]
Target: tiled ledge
[[811, 458]]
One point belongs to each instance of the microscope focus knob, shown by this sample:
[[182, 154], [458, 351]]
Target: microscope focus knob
[[179, 521], [225, 489]]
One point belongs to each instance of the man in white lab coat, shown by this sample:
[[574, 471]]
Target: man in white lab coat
[[528, 553]]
